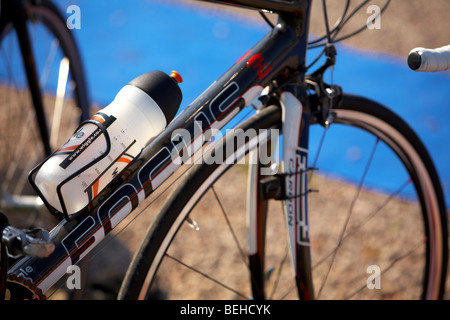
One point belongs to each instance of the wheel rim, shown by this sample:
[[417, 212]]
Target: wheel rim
[[411, 257], [19, 132]]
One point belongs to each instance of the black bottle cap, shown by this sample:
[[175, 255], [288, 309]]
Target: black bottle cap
[[163, 89]]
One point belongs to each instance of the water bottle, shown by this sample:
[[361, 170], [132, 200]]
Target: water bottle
[[91, 158]]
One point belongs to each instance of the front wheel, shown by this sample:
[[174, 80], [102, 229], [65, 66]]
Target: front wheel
[[377, 221]]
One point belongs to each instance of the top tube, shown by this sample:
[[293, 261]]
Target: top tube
[[271, 5]]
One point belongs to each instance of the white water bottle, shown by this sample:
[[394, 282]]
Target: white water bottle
[[139, 112]]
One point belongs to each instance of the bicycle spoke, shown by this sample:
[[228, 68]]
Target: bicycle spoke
[[279, 269], [235, 239], [59, 101], [230, 227], [390, 266], [366, 220], [372, 215], [49, 62], [207, 276], [319, 149], [349, 214], [119, 230]]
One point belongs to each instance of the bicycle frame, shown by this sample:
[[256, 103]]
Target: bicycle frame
[[280, 56]]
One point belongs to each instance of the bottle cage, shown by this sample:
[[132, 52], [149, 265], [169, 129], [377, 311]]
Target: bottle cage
[[33, 172]]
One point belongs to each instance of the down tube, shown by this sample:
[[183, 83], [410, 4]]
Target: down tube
[[213, 109]]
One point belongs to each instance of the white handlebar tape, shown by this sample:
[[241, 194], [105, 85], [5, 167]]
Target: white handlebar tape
[[421, 59]]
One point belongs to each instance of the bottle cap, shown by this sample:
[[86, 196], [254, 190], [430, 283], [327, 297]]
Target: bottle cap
[[174, 74], [162, 89]]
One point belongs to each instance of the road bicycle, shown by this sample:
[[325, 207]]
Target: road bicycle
[[261, 214]]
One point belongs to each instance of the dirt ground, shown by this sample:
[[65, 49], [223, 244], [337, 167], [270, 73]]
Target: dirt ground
[[404, 25]]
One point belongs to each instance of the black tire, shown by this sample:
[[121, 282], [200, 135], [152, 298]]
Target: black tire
[[358, 113], [51, 40]]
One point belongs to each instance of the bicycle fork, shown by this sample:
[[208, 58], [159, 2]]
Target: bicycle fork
[[290, 186], [295, 171]]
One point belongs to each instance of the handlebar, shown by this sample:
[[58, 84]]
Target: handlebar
[[422, 59]]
